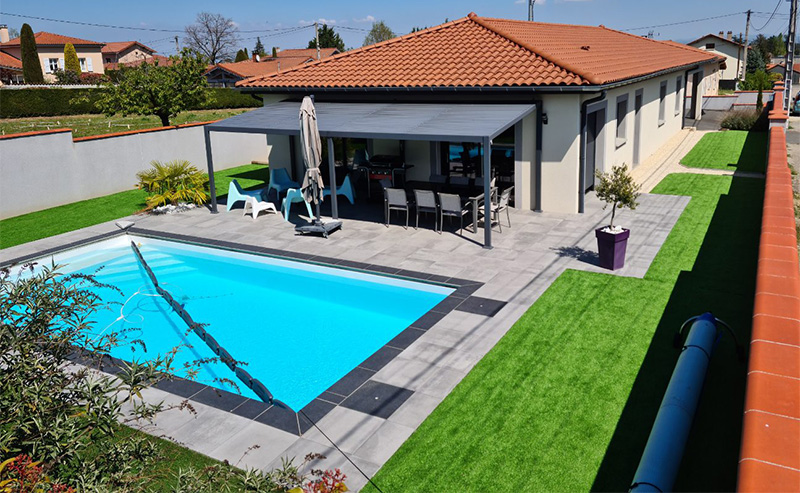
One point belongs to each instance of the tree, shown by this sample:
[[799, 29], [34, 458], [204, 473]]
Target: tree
[[214, 36], [777, 46], [274, 52], [379, 32], [328, 38], [762, 44], [617, 189], [240, 56], [31, 66], [161, 90], [71, 62], [755, 61], [259, 48]]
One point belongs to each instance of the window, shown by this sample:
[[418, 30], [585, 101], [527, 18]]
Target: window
[[678, 87], [108, 59], [83, 64], [662, 98], [86, 64], [622, 118], [710, 46], [52, 65]]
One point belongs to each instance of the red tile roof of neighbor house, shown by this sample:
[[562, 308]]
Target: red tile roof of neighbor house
[[8, 61], [285, 60], [120, 46], [478, 51], [45, 38], [771, 66], [162, 60]]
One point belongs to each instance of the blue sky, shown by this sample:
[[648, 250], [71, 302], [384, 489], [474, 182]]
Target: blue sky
[[353, 17]]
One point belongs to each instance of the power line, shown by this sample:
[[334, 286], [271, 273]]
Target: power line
[[770, 17], [130, 28], [683, 22]]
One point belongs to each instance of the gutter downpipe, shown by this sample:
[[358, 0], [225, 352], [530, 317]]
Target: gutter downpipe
[[537, 206], [582, 159]]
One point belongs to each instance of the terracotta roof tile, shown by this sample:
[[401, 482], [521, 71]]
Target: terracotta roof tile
[[162, 60], [8, 61], [715, 36], [481, 52], [45, 38], [119, 46], [249, 68]]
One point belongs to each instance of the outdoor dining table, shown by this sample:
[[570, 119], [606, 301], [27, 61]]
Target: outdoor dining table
[[472, 194]]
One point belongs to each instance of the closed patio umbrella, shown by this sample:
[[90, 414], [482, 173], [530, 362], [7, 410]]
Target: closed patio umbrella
[[312, 156], [312, 153]]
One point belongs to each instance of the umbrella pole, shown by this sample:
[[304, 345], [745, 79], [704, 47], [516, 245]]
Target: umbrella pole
[[316, 195]]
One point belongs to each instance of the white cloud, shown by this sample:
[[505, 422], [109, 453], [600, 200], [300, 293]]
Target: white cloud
[[368, 18]]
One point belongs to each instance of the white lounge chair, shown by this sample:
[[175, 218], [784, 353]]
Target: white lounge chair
[[254, 206]]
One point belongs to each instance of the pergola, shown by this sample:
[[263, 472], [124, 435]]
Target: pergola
[[478, 123]]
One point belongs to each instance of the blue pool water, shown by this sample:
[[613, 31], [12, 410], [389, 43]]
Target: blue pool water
[[299, 327]]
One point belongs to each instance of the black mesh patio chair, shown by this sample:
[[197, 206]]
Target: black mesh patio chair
[[395, 200], [450, 205], [426, 202]]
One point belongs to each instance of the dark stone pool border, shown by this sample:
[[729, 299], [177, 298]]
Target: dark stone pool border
[[356, 390]]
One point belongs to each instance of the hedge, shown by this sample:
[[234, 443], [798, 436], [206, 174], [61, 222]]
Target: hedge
[[18, 103]]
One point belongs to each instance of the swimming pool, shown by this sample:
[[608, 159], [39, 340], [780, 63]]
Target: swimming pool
[[299, 327]]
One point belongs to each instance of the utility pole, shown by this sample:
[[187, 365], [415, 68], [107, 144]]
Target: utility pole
[[316, 33], [530, 9], [746, 40], [177, 46], [788, 65]]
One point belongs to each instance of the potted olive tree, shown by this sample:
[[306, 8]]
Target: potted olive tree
[[617, 189]]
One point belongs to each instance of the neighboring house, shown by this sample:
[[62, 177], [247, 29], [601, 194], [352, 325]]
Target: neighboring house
[[152, 59], [780, 68], [10, 69], [726, 47], [602, 97], [51, 51], [228, 74], [125, 52]]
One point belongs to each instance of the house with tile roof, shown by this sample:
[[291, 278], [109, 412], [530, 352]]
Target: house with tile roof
[[725, 46], [227, 74], [602, 98], [10, 69], [125, 52], [51, 51], [780, 68]]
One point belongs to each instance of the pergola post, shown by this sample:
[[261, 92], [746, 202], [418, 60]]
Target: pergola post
[[487, 193], [211, 187], [332, 173]]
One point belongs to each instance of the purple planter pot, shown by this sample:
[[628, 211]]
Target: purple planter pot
[[611, 248]]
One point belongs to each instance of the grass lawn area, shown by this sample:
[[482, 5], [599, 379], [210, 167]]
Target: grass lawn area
[[86, 125], [565, 401], [49, 222], [729, 150]]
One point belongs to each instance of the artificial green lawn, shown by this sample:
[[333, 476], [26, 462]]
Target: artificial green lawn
[[729, 150], [49, 222], [565, 401]]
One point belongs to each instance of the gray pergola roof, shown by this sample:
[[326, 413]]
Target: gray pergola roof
[[401, 121]]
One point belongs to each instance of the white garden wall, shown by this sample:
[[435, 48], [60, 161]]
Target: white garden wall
[[44, 170]]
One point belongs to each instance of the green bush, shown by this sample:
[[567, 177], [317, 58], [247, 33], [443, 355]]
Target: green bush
[[744, 120], [19, 103], [172, 183]]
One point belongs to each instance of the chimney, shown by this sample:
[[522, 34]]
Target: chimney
[[730, 35], [3, 33], [721, 34], [255, 56]]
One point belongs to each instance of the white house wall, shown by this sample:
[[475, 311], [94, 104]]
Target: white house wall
[[560, 153], [48, 170], [730, 51]]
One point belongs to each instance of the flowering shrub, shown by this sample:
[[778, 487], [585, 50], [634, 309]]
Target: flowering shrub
[[328, 482], [21, 474]]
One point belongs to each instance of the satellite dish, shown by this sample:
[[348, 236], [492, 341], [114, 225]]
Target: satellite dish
[[258, 57]]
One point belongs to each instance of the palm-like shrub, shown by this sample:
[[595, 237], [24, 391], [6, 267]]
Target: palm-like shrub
[[173, 182]]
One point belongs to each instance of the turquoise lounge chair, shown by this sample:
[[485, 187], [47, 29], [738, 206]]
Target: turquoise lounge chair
[[236, 194], [346, 189], [280, 181], [294, 195]]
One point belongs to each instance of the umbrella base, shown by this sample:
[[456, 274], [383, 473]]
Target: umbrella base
[[318, 227]]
